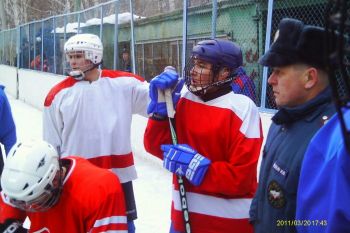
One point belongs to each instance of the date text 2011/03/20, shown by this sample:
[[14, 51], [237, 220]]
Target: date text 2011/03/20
[[283, 223]]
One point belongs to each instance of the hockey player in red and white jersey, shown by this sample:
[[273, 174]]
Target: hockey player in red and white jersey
[[89, 113], [219, 135], [58, 195]]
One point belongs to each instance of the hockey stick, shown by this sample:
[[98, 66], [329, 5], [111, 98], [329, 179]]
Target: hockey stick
[[3, 153], [182, 190]]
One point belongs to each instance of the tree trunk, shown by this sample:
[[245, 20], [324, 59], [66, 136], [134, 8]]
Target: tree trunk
[[3, 16], [16, 12]]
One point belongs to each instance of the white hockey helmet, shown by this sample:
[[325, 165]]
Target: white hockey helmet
[[28, 179], [90, 44]]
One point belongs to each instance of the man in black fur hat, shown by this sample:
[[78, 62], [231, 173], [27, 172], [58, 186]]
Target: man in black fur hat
[[300, 87]]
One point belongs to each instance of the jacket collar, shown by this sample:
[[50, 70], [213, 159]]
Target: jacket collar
[[224, 89], [307, 111]]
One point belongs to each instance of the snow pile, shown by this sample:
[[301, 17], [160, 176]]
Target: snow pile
[[70, 28], [124, 17]]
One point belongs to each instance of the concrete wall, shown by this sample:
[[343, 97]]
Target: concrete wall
[[33, 86], [8, 78]]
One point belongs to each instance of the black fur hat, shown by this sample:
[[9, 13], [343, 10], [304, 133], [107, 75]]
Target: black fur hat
[[295, 43]]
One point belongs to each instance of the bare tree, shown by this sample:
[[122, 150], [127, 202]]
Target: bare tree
[[17, 12], [3, 16]]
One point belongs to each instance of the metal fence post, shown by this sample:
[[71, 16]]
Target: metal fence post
[[101, 26], [214, 18], [42, 46], [267, 46], [116, 28], [132, 38], [54, 42], [184, 37], [18, 45]]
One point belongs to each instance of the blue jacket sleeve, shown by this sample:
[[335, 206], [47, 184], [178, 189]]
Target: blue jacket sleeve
[[7, 125]]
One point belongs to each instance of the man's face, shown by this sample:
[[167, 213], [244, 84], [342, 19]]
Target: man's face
[[77, 60], [125, 56], [201, 73], [288, 85], [47, 198]]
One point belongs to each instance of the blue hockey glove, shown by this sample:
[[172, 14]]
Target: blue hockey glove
[[183, 160], [167, 79]]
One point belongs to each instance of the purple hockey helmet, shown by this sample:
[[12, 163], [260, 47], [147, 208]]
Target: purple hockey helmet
[[221, 54]]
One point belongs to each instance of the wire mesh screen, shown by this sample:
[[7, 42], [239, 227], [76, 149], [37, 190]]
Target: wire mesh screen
[[199, 24], [338, 38], [241, 22], [310, 12], [158, 36], [109, 14]]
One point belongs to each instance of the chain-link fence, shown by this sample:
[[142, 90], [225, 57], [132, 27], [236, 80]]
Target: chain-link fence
[[8, 45], [153, 37], [310, 12]]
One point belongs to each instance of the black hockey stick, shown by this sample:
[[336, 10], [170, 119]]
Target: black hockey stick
[[182, 190]]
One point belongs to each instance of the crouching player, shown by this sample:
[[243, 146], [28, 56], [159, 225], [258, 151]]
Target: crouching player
[[58, 195]]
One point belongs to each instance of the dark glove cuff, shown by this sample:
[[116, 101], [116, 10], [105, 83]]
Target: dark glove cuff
[[158, 117], [12, 225]]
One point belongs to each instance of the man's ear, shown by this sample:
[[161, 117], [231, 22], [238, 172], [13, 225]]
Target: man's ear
[[224, 73], [311, 78]]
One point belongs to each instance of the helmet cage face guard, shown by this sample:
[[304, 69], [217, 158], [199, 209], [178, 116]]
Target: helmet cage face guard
[[200, 86], [34, 184], [48, 198], [88, 55], [338, 50], [40, 204]]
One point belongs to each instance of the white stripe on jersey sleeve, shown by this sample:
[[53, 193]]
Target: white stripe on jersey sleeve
[[109, 220]]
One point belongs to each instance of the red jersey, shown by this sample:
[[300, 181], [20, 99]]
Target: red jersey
[[226, 130], [92, 200]]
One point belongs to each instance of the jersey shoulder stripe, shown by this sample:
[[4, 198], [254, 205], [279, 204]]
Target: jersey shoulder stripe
[[68, 82], [119, 74]]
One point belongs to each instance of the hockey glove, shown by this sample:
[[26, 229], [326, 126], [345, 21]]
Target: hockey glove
[[161, 82], [12, 226], [183, 160]]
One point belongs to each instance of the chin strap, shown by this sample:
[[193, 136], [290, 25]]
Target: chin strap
[[201, 91], [79, 74]]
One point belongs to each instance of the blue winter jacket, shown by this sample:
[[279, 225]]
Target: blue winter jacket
[[323, 202], [7, 125], [274, 205]]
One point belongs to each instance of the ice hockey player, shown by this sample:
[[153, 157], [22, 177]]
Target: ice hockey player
[[58, 195]]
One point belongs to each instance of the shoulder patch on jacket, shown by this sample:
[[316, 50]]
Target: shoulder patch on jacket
[[68, 82], [118, 74]]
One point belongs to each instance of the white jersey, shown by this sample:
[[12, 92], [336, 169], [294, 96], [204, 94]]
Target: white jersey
[[93, 120]]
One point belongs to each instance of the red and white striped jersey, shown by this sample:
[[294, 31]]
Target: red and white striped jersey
[[92, 200], [93, 120], [226, 130]]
